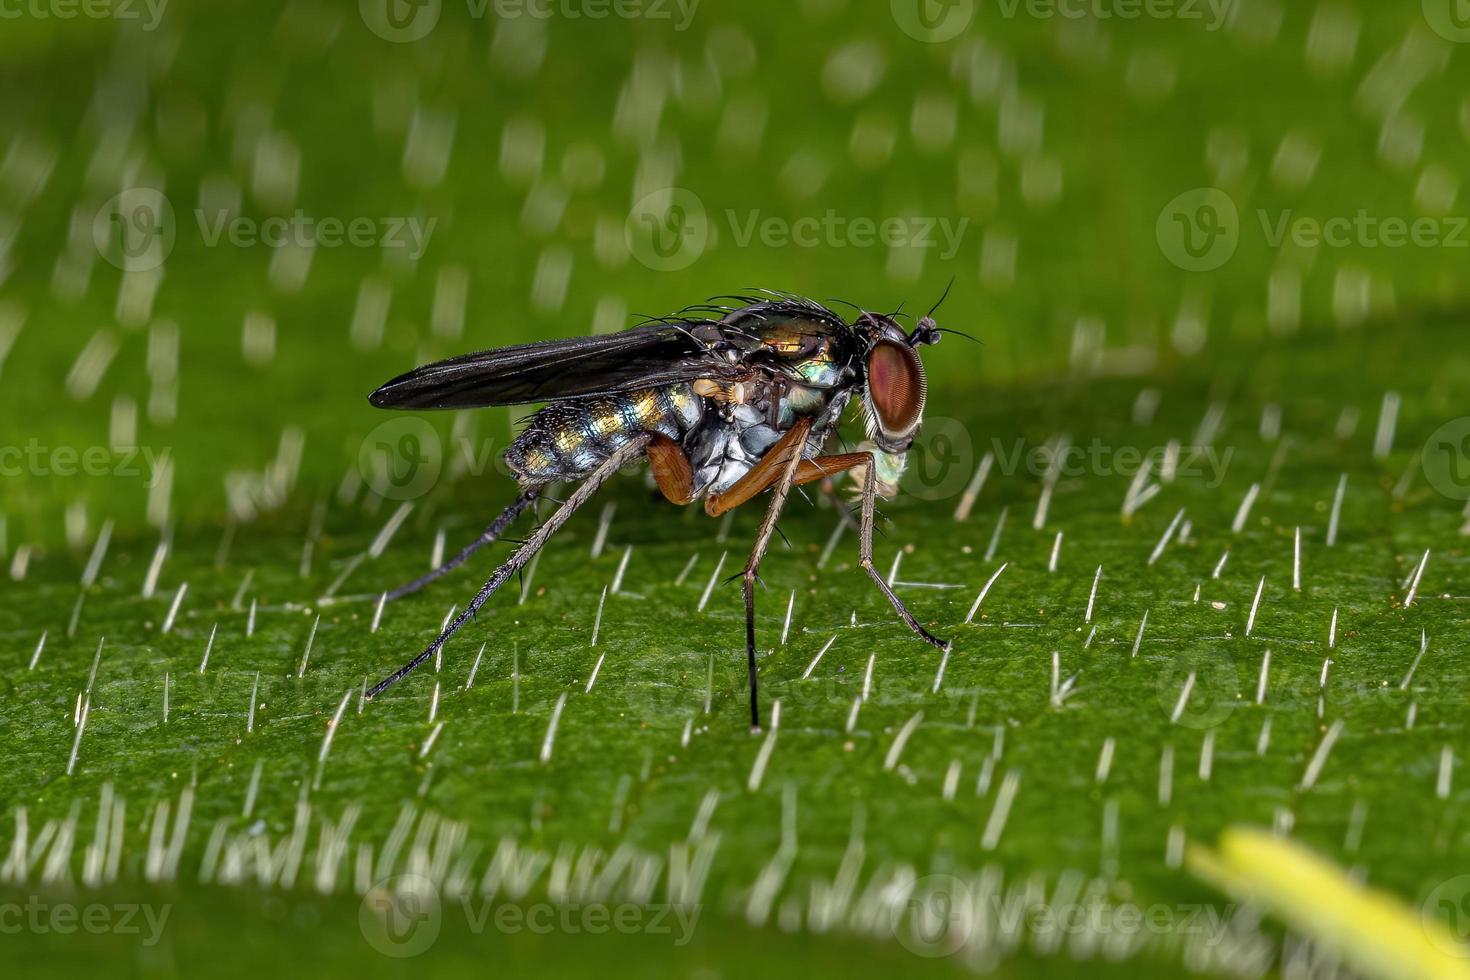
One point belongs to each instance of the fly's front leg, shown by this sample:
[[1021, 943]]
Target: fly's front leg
[[865, 554], [780, 491]]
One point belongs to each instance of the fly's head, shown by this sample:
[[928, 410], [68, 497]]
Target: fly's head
[[894, 386], [894, 389]]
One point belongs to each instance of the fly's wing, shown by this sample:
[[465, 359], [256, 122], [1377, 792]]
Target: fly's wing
[[645, 356]]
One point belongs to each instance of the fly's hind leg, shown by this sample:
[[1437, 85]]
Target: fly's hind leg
[[671, 470], [584, 492], [495, 529], [776, 471]]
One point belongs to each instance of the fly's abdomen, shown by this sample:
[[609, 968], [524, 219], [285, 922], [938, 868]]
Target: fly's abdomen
[[567, 440]]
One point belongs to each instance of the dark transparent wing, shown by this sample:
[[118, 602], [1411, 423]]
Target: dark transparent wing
[[551, 370]]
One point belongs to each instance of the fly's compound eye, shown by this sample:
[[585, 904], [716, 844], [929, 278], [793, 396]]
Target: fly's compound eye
[[896, 390]]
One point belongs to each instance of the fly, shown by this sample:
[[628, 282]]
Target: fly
[[725, 403]]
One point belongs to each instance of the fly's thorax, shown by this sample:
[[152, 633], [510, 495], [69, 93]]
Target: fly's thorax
[[802, 400], [727, 445], [568, 439]]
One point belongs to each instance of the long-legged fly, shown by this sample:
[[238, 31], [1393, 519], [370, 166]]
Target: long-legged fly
[[724, 402]]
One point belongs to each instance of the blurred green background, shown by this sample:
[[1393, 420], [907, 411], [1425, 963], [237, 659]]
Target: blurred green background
[[1046, 147], [1231, 225]]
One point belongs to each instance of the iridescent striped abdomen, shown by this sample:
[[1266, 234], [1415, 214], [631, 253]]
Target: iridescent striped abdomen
[[566, 440]]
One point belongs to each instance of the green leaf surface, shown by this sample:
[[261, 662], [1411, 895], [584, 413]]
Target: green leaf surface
[[1218, 516]]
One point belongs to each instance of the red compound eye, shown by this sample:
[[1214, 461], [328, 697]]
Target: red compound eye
[[896, 387]]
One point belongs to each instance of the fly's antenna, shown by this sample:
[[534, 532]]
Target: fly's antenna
[[961, 333], [927, 331], [940, 302]]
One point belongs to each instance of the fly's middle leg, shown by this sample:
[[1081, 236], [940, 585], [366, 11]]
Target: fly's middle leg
[[780, 491]]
